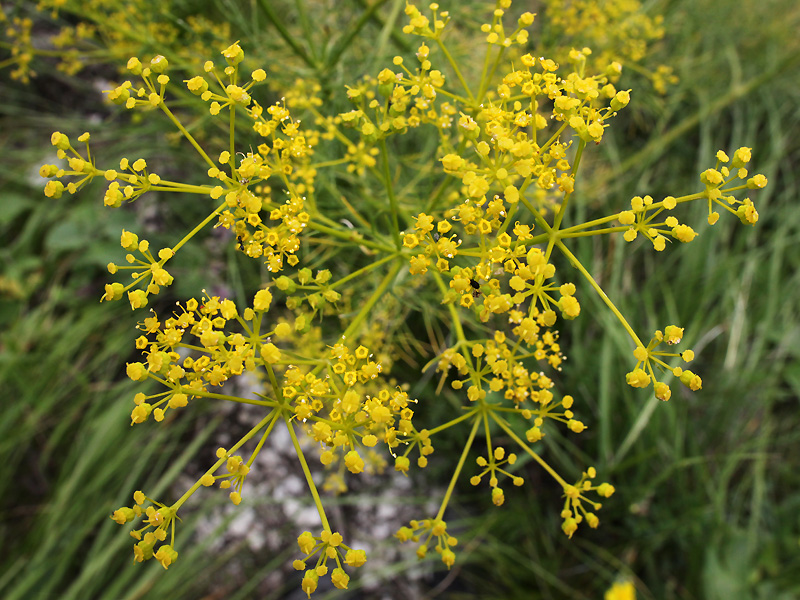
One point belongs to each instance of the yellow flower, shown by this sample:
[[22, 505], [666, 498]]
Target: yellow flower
[[570, 307], [339, 578], [575, 426], [711, 177], [569, 526], [424, 224], [309, 583], [238, 94], [129, 241], [355, 558], [620, 100], [741, 157], [166, 555], [662, 391], [692, 381], [401, 463], [478, 187], [448, 556], [137, 298], [684, 233], [353, 462], [621, 591], [270, 353], [306, 542], [123, 515], [136, 371], [197, 85], [673, 334], [452, 162], [410, 240], [606, 490], [262, 300], [233, 54], [638, 378]]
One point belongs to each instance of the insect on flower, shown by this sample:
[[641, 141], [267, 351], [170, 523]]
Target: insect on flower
[[476, 288]]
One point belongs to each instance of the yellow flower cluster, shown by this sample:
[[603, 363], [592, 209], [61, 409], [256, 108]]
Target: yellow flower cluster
[[150, 271], [492, 467], [726, 172], [345, 419], [488, 242], [719, 184], [643, 373], [619, 31], [499, 365], [159, 519], [18, 31], [430, 530], [329, 546], [91, 32], [219, 355], [574, 511]]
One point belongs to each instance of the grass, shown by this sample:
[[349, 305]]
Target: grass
[[707, 483]]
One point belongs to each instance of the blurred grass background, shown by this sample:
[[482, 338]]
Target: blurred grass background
[[708, 491]]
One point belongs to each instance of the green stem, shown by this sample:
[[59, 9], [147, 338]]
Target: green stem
[[277, 389], [387, 182], [563, 208], [582, 226], [231, 140], [553, 137], [577, 264], [284, 33], [351, 236], [204, 394], [619, 229], [373, 299], [163, 106], [202, 224], [308, 34], [184, 188], [487, 78], [458, 468], [455, 68], [455, 321], [455, 421], [263, 439], [485, 418], [221, 461], [307, 472], [363, 270], [446, 182], [344, 41], [485, 68], [504, 426], [571, 231]]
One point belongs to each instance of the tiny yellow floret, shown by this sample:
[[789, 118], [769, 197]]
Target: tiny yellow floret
[[262, 300], [621, 591]]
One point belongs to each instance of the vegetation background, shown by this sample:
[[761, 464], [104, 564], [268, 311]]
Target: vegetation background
[[708, 485]]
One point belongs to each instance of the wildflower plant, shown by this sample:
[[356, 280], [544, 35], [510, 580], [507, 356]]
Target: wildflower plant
[[487, 230]]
